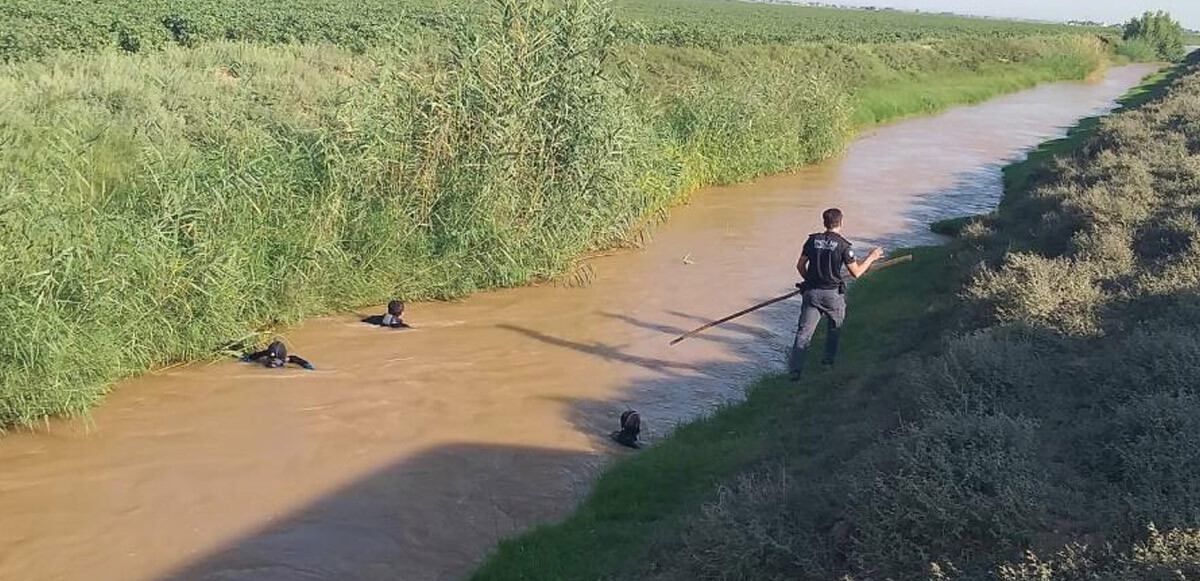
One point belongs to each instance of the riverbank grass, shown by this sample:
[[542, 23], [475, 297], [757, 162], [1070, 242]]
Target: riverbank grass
[[928, 94]]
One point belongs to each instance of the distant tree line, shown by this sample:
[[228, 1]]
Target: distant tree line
[[1159, 32]]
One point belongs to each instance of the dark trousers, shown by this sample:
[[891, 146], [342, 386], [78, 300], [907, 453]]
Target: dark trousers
[[818, 302]]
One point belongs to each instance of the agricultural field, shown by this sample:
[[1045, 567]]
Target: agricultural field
[[709, 23], [36, 28]]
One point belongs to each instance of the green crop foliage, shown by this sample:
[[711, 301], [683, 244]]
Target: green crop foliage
[[34, 28], [37, 28], [716, 23]]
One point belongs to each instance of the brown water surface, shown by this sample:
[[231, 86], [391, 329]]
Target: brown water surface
[[407, 455]]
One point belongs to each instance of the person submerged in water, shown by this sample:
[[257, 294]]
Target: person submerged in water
[[631, 426], [276, 355], [392, 319]]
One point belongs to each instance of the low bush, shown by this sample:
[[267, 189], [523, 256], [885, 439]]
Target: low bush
[[1152, 453], [958, 488], [1170, 556], [997, 370], [1053, 293], [748, 532]]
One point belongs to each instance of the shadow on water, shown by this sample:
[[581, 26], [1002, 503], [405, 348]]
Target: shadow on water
[[670, 393], [672, 331], [370, 529], [610, 352]]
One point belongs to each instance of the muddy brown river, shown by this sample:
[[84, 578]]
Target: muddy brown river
[[408, 455]]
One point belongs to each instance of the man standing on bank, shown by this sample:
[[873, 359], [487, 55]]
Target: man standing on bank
[[824, 287]]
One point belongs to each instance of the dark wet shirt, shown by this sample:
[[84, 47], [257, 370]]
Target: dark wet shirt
[[827, 254], [388, 320], [266, 357]]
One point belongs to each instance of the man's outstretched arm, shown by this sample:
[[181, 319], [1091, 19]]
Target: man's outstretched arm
[[860, 268]]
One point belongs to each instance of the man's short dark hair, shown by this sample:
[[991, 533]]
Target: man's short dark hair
[[832, 218]]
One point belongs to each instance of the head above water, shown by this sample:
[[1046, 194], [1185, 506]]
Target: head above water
[[395, 308], [631, 422], [832, 218], [276, 354], [631, 426]]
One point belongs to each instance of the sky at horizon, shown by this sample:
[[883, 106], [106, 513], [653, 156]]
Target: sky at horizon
[[1108, 11]]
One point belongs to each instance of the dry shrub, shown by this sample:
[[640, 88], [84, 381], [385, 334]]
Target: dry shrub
[[747, 532], [1122, 204], [1178, 175], [1128, 132], [1108, 248], [988, 371], [1097, 293], [1178, 277], [1153, 456], [975, 231], [1167, 239], [1052, 293], [1170, 556], [1158, 357], [961, 488]]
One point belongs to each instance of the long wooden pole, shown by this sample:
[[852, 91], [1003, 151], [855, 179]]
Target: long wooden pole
[[707, 326]]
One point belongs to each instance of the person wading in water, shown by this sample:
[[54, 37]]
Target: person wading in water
[[276, 356], [393, 318], [820, 268]]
